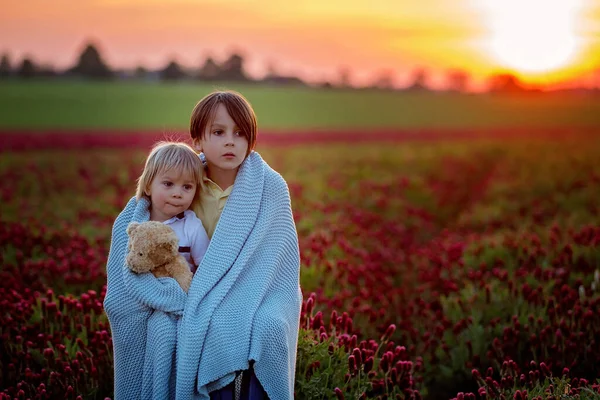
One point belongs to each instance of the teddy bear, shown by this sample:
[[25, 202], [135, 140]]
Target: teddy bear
[[154, 247]]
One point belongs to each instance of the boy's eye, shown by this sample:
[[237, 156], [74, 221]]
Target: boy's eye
[[218, 132], [241, 134]]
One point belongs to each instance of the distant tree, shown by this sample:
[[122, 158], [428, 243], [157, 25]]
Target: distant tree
[[274, 77], [344, 77], [172, 71], [140, 72], [233, 69], [210, 71], [91, 65], [27, 69], [271, 71], [458, 80], [419, 80], [5, 68], [384, 80], [505, 83], [46, 71], [285, 80]]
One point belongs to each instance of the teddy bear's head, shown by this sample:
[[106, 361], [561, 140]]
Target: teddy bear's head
[[151, 244]]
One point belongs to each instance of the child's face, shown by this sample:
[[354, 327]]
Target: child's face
[[171, 193], [224, 146]]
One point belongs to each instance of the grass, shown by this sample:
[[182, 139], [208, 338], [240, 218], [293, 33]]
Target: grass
[[75, 105]]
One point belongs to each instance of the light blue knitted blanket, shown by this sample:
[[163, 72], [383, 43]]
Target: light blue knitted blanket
[[243, 304]]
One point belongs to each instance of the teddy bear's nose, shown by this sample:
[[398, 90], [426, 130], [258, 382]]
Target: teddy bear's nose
[[140, 254]]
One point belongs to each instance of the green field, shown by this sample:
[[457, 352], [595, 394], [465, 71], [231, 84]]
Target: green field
[[73, 105]]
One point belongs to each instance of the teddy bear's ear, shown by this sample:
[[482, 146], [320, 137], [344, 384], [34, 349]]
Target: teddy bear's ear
[[170, 242], [132, 227]]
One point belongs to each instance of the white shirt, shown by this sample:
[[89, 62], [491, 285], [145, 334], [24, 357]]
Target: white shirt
[[193, 240]]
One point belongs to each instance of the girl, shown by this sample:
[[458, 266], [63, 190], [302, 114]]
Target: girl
[[167, 188], [171, 181], [238, 334]]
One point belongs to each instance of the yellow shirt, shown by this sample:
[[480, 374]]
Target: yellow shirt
[[212, 202]]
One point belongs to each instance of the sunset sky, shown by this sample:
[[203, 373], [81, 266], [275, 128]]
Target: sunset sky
[[540, 40]]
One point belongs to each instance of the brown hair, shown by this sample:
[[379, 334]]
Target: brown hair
[[237, 107], [170, 155]]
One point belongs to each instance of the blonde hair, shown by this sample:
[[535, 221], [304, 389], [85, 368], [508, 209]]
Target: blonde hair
[[166, 156]]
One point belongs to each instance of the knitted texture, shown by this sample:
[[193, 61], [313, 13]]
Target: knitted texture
[[141, 309], [243, 304]]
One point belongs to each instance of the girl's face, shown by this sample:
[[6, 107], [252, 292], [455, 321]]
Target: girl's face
[[170, 193], [223, 144]]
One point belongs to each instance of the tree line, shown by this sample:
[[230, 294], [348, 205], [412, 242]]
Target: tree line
[[91, 65]]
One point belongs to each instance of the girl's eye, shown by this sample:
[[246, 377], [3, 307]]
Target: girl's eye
[[167, 184], [188, 187], [218, 132], [238, 133]]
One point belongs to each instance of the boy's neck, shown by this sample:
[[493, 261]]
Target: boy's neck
[[223, 178]]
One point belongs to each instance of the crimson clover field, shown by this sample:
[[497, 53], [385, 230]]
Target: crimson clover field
[[452, 267]]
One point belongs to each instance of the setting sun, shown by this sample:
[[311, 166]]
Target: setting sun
[[533, 36]]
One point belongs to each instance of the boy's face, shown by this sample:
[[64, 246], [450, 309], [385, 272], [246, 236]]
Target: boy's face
[[171, 193], [224, 146]]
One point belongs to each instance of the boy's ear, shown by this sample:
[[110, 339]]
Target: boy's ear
[[197, 145]]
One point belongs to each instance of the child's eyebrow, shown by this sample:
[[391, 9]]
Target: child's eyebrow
[[219, 125], [170, 178]]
